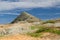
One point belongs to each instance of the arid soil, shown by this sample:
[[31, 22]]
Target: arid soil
[[45, 36]]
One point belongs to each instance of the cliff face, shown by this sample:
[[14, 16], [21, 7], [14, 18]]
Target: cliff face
[[24, 16]]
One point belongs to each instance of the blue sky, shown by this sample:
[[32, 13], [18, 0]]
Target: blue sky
[[43, 9]]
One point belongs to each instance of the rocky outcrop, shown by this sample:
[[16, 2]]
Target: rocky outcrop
[[24, 16]]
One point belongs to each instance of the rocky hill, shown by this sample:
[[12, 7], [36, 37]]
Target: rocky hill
[[28, 27], [24, 16]]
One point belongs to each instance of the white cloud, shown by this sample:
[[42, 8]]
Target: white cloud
[[2, 14], [28, 4], [30, 0], [57, 13]]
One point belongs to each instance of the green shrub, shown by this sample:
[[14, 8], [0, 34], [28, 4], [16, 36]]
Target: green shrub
[[35, 34], [49, 21], [41, 29], [32, 27], [55, 31]]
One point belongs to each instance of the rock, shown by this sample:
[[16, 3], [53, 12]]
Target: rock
[[24, 16]]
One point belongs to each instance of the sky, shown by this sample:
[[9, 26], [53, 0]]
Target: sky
[[43, 9]]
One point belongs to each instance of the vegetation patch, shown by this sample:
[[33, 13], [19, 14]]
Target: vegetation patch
[[32, 27], [55, 31], [42, 29], [34, 34], [49, 21]]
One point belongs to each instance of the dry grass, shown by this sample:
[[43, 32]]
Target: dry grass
[[18, 37], [45, 36]]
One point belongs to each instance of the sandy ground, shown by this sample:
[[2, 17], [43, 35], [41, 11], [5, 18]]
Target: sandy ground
[[46, 36], [18, 37]]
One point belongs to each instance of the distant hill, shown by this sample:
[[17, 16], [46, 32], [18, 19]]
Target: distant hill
[[57, 20], [24, 16]]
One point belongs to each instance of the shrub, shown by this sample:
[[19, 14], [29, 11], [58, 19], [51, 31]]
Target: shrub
[[35, 34], [41, 29], [49, 21], [55, 31], [32, 27]]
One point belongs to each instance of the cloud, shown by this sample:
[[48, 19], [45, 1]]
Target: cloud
[[4, 5], [31, 0], [57, 13], [10, 0], [2, 14]]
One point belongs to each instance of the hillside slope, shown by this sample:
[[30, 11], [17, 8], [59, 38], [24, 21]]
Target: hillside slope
[[46, 36], [24, 16]]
